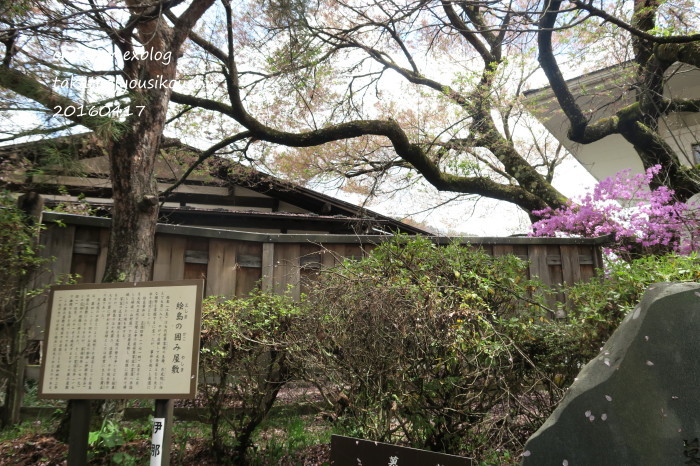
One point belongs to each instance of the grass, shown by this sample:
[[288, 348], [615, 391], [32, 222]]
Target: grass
[[31, 397], [281, 436], [23, 429]]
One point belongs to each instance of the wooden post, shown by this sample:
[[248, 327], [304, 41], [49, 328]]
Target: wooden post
[[164, 410], [268, 266], [79, 432]]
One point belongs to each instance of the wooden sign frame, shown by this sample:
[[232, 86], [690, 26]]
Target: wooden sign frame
[[120, 329]]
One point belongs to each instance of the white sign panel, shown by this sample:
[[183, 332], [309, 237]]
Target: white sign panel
[[157, 441], [120, 340]]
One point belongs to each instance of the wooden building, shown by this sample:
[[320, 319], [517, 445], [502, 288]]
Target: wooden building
[[234, 262], [238, 229], [72, 173]]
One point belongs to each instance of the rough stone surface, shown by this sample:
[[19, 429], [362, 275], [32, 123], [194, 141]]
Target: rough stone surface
[[638, 401]]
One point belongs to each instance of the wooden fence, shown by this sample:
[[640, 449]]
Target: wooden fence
[[234, 262]]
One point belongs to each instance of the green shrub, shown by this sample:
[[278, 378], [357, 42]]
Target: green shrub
[[446, 348], [19, 259], [598, 306], [418, 344], [244, 359], [18, 251]]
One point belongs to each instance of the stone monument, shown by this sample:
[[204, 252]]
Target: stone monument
[[638, 402]]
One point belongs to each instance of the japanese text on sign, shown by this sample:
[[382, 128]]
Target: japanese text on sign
[[123, 340]]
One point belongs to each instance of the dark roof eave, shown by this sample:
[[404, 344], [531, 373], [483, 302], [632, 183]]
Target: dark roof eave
[[275, 215], [102, 222]]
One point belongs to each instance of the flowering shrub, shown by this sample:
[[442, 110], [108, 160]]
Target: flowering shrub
[[644, 220]]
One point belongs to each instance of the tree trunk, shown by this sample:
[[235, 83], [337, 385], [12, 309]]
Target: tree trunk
[[132, 157], [135, 211]]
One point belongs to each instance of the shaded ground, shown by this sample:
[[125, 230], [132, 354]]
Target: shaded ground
[[311, 456], [44, 450], [31, 448]]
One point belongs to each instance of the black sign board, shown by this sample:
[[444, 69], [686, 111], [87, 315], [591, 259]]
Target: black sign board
[[348, 451]]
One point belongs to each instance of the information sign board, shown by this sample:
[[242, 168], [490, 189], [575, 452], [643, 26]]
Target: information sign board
[[122, 340]]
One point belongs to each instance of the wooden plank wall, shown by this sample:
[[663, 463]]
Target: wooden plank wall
[[235, 267], [57, 243], [555, 264]]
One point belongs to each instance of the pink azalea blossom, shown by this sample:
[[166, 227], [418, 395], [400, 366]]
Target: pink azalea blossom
[[642, 219]]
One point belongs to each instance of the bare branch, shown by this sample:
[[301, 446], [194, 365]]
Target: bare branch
[[204, 156]]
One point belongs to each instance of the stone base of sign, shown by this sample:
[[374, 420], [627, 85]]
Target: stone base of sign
[[638, 402]]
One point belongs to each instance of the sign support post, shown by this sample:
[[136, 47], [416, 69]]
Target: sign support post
[[79, 432], [163, 415]]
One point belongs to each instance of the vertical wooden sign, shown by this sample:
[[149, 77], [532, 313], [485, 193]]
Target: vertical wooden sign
[[348, 451]]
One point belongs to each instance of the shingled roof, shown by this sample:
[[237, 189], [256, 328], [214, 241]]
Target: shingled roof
[[222, 193]]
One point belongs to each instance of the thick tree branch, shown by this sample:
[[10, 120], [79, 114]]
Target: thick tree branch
[[409, 152], [30, 88], [580, 131], [184, 24], [204, 44], [469, 35], [549, 64], [642, 34], [683, 105], [684, 53]]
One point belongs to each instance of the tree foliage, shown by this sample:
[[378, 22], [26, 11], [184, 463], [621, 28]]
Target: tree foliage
[[432, 88], [391, 90], [366, 89]]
